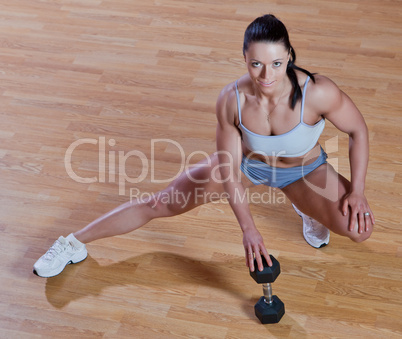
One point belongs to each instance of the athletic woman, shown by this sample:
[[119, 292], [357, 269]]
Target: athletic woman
[[269, 123]]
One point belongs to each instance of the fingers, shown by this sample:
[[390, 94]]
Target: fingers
[[362, 220], [345, 207], [361, 217], [266, 256], [365, 222], [250, 259], [372, 218], [257, 254], [254, 247], [369, 220], [352, 222], [259, 260]]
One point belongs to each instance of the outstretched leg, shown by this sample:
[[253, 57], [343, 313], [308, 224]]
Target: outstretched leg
[[199, 185]]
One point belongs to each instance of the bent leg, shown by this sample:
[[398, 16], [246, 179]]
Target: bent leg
[[320, 195], [199, 185]]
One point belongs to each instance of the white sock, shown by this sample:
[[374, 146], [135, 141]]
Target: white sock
[[300, 213], [76, 243]]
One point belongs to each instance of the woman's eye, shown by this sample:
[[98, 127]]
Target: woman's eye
[[277, 64], [256, 64]]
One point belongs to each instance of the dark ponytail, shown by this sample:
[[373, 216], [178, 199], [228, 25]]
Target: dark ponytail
[[268, 28], [290, 71]]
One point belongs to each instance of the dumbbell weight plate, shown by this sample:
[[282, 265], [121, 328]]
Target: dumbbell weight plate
[[268, 274], [269, 313]]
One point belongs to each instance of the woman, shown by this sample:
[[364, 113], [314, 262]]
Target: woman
[[269, 122]]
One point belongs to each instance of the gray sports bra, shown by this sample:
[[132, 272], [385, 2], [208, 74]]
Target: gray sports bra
[[297, 142]]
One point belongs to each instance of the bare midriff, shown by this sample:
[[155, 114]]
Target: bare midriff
[[284, 162]]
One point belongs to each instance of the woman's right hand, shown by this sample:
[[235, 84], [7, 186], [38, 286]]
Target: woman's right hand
[[254, 248]]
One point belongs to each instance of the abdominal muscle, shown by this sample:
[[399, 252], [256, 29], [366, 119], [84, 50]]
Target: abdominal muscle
[[284, 162]]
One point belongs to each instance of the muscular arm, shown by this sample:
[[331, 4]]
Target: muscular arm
[[230, 155], [342, 112]]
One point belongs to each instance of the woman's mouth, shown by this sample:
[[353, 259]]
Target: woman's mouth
[[266, 83]]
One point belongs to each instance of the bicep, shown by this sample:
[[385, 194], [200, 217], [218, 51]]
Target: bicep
[[342, 112]]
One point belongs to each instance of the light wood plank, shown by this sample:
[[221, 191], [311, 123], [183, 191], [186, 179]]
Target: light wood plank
[[133, 71]]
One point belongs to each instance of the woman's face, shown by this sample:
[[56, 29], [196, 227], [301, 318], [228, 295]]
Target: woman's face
[[266, 64]]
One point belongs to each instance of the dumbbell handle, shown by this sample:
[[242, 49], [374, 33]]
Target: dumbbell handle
[[267, 288]]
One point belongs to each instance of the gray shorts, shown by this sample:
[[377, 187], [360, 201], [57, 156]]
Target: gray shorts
[[261, 173]]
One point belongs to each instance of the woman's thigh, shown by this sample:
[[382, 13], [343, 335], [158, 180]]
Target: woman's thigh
[[320, 195], [199, 184]]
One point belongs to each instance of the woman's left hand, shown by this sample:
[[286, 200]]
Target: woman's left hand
[[361, 213]]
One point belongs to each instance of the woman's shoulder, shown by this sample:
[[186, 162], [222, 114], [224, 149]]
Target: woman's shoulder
[[323, 92], [319, 82], [227, 95], [322, 86], [227, 104]]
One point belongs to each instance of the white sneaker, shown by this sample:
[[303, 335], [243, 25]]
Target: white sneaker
[[64, 251], [316, 234]]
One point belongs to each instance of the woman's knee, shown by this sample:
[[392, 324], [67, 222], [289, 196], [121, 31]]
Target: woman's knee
[[342, 228], [176, 199], [166, 203], [360, 237]]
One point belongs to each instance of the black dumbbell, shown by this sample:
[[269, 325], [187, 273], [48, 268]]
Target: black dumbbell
[[269, 309]]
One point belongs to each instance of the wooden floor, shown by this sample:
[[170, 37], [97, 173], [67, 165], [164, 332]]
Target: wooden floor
[[117, 74]]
